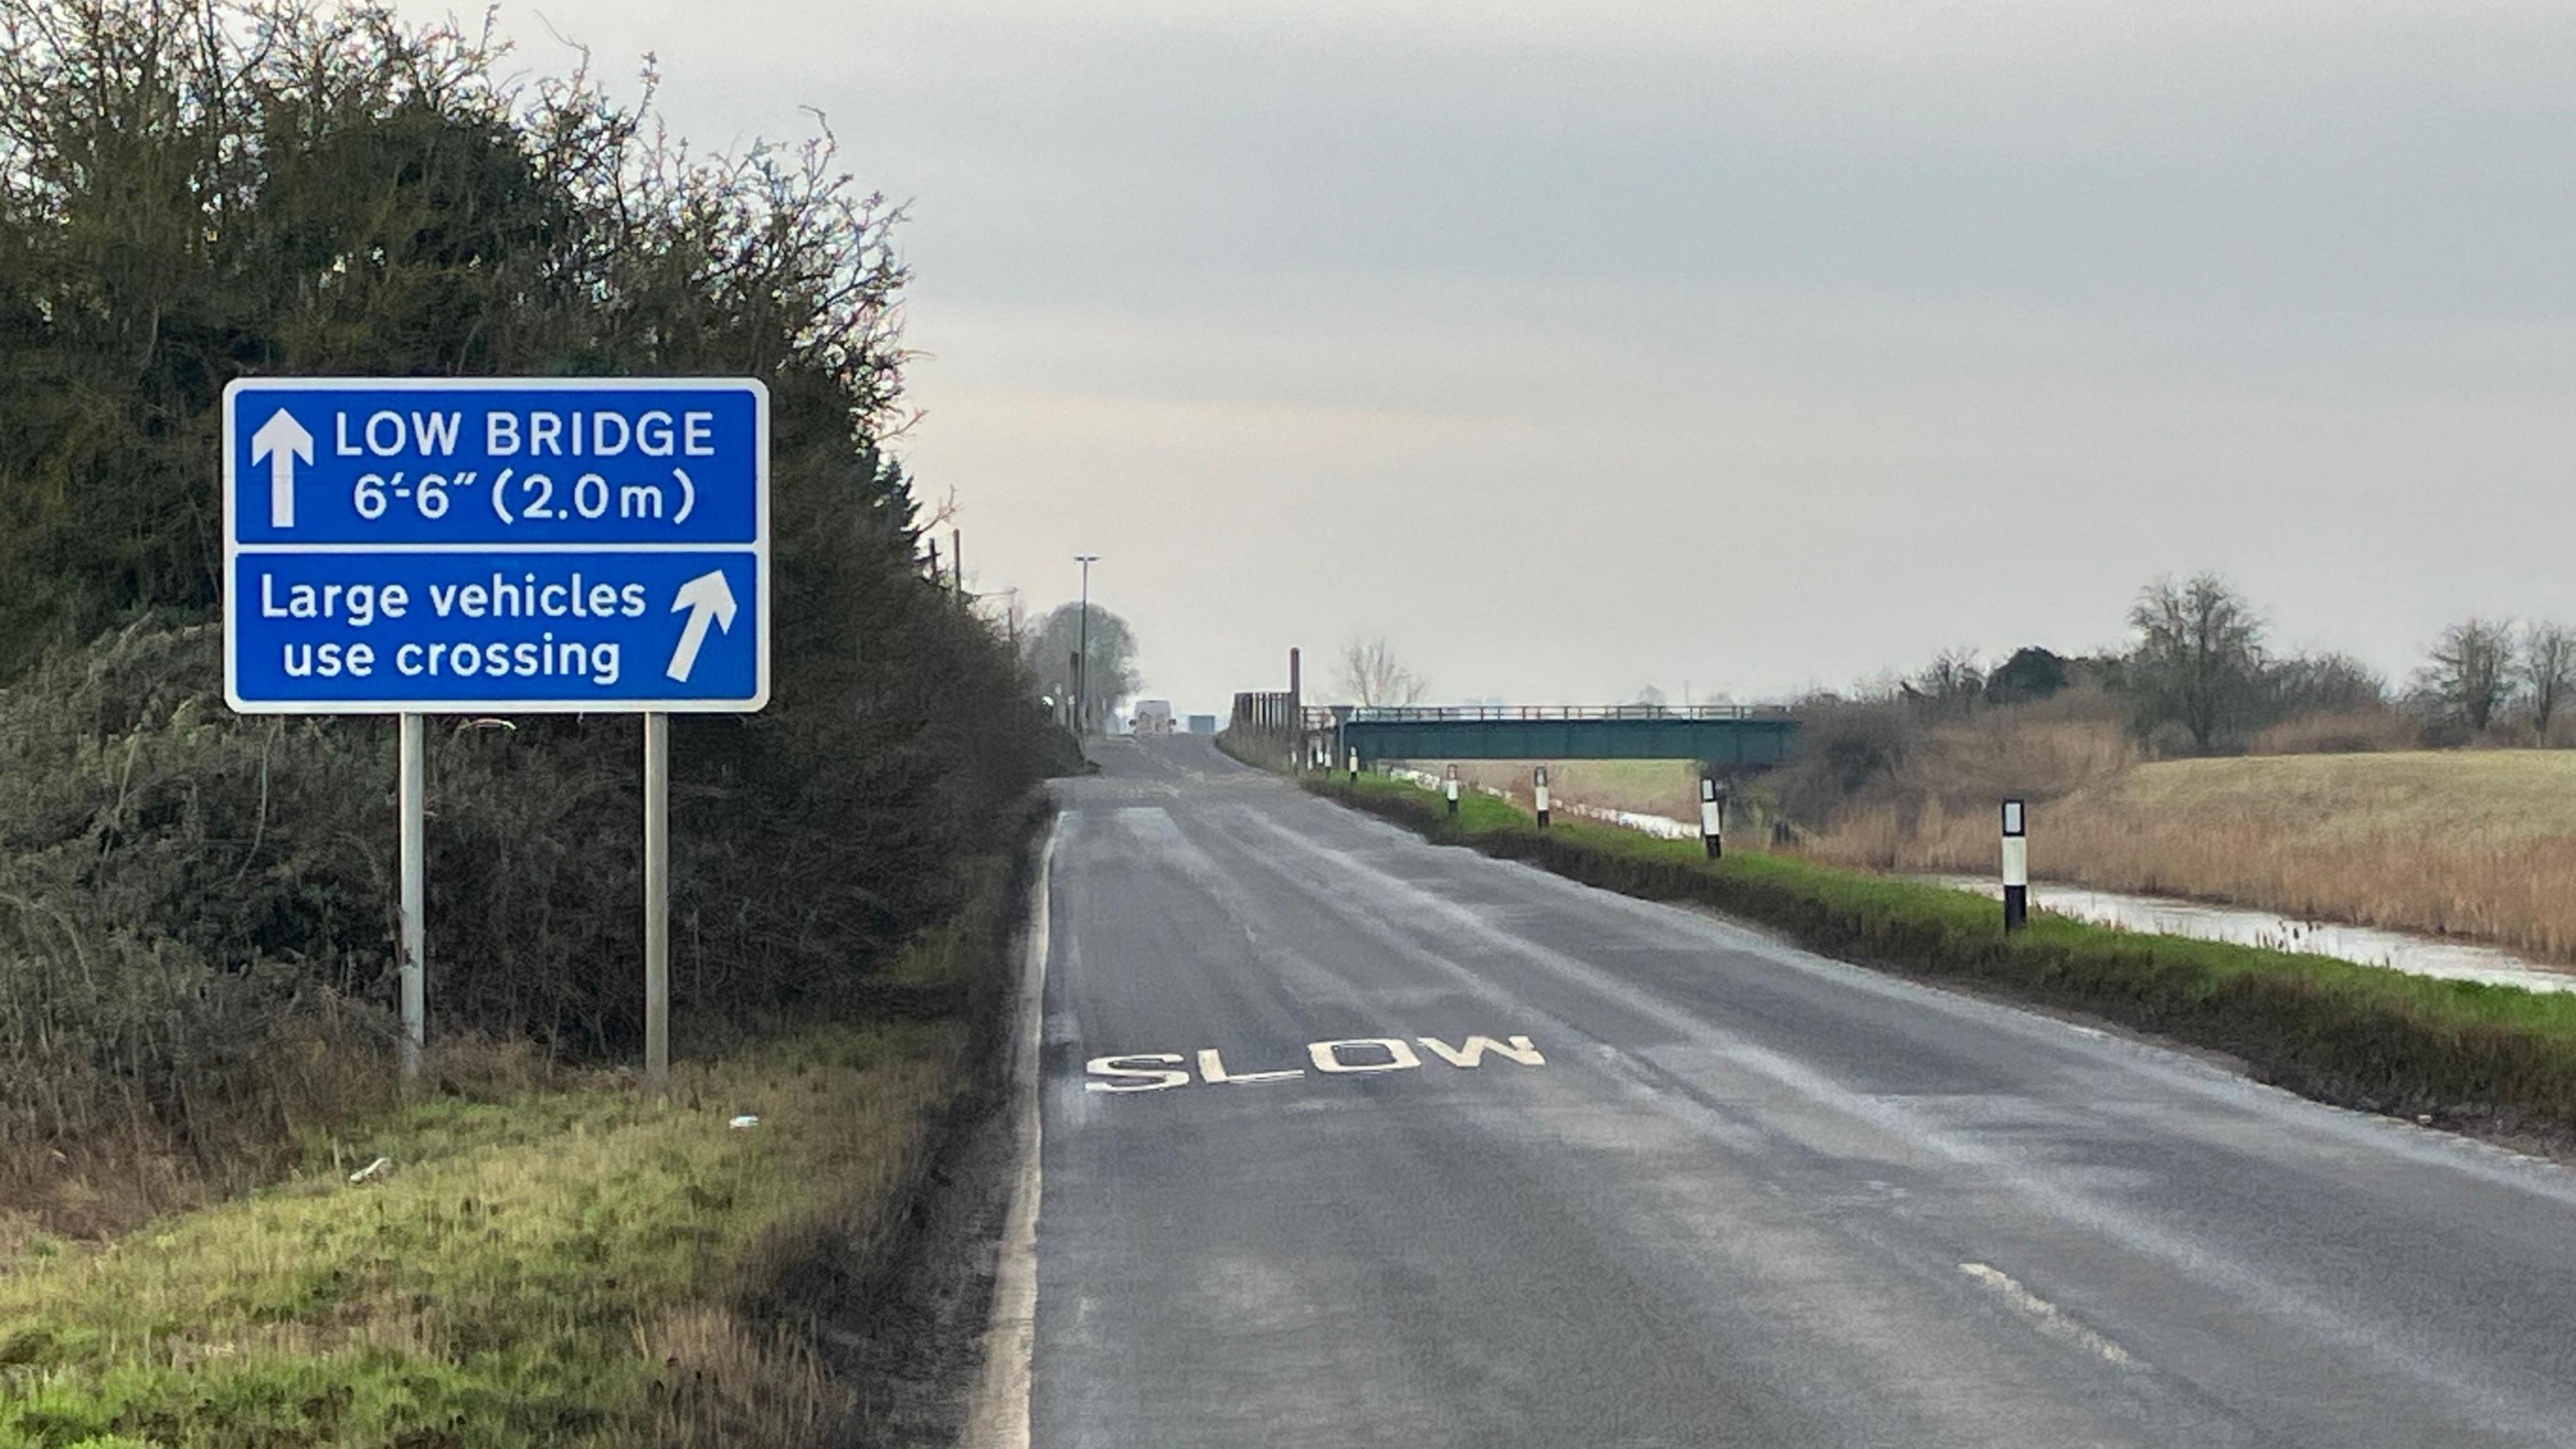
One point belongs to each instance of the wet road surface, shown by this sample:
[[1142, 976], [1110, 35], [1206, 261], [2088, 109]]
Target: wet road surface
[[1692, 1186]]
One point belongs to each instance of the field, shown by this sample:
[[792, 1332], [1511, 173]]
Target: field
[[2478, 843]]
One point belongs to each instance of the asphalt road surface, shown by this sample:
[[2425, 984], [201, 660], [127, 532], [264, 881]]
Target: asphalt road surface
[[1695, 1187]]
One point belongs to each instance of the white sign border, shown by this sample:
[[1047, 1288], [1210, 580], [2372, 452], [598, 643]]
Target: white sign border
[[241, 387]]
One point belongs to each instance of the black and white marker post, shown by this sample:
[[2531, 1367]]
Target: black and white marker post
[[1542, 797], [1449, 787], [1355, 767], [1712, 816], [2016, 867]]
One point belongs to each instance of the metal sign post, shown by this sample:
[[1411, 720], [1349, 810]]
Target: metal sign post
[[412, 806], [421, 546], [657, 900]]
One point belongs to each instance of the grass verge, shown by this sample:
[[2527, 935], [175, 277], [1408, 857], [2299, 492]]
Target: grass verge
[[575, 1264], [2466, 1053]]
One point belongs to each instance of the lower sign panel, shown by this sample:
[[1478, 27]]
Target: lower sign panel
[[500, 632]]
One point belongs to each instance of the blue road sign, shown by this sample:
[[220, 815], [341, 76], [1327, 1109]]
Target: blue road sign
[[489, 545]]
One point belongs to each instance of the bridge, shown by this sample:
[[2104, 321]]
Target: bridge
[[1717, 734]]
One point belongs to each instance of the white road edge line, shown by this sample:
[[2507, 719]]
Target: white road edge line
[[998, 1416], [2048, 1317]]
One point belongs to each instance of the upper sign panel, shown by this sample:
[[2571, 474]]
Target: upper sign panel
[[501, 462]]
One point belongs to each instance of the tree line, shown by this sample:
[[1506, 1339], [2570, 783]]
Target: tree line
[[2200, 676]]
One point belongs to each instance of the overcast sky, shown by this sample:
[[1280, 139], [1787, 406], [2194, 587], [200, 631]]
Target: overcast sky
[[1753, 345]]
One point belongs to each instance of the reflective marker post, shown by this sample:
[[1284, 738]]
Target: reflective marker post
[[2016, 867], [1712, 816], [1449, 787], [412, 788], [1541, 792], [1355, 767]]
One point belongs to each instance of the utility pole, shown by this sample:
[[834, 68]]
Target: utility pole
[[1081, 676], [1296, 704]]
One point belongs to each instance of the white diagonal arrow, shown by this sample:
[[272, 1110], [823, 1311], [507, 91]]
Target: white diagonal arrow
[[706, 597], [281, 440]]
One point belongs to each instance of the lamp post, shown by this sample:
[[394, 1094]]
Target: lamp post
[[1082, 656]]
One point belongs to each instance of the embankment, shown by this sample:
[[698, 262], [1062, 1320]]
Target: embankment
[[554, 1258]]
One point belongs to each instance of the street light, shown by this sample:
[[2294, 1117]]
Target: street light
[[1082, 654]]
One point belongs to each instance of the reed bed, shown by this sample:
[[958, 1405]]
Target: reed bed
[[2476, 844]]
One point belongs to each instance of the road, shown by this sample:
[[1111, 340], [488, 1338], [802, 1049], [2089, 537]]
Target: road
[[1727, 1192]]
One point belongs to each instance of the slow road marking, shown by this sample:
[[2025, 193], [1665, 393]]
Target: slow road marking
[[1357, 1056]]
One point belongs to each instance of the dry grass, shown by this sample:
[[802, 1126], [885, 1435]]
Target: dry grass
[[2475, 843], [2348, 732], [2009, 753], [251, 1126]]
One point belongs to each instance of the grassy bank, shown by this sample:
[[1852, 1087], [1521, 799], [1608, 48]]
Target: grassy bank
[[1652, 787], [2361, 1036], [2474, 843], [567, 1263]]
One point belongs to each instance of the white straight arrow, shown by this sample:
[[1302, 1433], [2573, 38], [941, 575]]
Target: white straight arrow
[[281, 440], [706, 597]]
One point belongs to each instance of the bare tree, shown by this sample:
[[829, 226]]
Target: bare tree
[[1110, 667], [2471, 673], [1951, 684], [1371, 673], [2199, 657], [2548, 671]]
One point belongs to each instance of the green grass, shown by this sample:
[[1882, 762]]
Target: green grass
[[576, 1266], [2357, 1035]]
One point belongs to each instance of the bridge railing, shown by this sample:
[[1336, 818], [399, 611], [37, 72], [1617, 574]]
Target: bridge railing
[[1417, 714]]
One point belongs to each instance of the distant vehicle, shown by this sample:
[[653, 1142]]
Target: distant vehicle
[[1202, 724], [1153, 716]]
